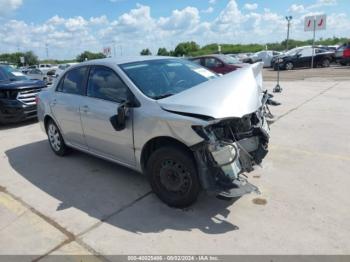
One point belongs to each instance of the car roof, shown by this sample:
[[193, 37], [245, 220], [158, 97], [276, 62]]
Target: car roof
[[124, 60]]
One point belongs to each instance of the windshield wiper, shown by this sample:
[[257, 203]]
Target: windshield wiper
[[163, 96]]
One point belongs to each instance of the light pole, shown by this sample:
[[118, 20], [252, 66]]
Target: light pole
[[289, 19]]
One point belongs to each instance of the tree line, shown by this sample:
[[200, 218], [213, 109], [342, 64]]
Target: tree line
[[31, 59], [193, 49], [189, 48]]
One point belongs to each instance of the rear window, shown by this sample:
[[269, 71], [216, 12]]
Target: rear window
[[73, 81]]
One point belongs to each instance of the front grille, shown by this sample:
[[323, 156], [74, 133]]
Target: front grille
[[28, 96]]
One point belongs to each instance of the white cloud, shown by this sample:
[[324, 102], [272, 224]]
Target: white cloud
[[209, 10], [7, 6], [138, 29], [251, 6], [180, 19], [101, 20], [296, 8], [212, 2], [322, 3]]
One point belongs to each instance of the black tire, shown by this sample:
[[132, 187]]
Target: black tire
[[55, 139], [325, 63], [289, 66], [173, 176]]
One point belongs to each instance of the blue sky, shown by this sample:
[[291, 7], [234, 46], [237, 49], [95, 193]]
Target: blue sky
[[69, 27]]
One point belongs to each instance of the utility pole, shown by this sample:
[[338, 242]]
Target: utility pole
[[114, 51], [47, 50], [289, 19], [313, 43]]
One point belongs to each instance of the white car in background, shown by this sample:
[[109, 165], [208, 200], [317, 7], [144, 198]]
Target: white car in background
[[264, 56], [43, 75], [61, 68]]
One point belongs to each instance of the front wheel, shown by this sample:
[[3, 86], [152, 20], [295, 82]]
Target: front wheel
[[289, 66], [325, 63], [55, 139], [173, 176]]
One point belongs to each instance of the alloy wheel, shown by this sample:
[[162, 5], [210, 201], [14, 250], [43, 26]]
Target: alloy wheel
[[54, 137]]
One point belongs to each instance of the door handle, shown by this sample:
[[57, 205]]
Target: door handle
[[54, 102]]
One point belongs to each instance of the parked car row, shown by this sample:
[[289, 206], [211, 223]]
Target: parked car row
[[302, 57], [342, 54]]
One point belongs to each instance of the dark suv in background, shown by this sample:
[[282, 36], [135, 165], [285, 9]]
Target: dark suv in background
[[17, 95], [342, 54]]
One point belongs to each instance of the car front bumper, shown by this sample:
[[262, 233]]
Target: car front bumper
[[13, 111]]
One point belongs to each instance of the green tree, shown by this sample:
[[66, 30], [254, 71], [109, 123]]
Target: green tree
[[163, 52], [87, 55], [186, 48], [30, 58], [145, 52], [15, 58]]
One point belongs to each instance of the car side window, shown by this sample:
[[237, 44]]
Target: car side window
[[73, 81], [212, 62], [105, 84], [197, 61], [306, 52]]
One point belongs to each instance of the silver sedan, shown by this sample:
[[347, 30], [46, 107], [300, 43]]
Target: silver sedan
[[187, 128]]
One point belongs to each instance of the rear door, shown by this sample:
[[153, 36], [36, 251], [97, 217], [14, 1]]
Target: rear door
[[105, 92], [66, 103]]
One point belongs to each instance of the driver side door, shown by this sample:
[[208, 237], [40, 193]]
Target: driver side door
[[105, 92]]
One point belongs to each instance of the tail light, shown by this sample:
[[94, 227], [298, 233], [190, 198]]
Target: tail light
[[346, 52]]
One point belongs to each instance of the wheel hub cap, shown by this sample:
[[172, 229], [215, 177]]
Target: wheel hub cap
[[54, 138]]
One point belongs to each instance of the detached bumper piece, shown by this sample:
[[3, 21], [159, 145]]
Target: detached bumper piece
[[241, 187]]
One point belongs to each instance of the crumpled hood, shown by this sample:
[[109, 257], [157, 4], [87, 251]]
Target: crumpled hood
[[233, 95]]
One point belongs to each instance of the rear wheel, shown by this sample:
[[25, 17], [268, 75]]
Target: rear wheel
[[55, 139], [289, 66], [173, 176]]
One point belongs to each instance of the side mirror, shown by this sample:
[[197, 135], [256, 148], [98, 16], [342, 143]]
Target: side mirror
[[119, 121]]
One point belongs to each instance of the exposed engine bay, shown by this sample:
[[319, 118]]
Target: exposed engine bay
[[231, 148]]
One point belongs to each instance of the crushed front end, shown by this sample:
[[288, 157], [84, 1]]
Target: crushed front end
[[231, 147]]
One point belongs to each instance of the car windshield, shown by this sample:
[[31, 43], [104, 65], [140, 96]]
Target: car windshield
[[230, 60], [158, 79], [9, 73]]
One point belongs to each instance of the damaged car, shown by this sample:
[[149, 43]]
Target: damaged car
[[188, 129]]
